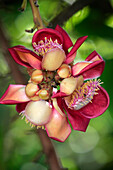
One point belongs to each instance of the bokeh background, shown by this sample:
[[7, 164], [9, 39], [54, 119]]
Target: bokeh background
[[20, 148]]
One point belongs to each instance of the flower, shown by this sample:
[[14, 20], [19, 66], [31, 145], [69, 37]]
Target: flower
[[57, 85]]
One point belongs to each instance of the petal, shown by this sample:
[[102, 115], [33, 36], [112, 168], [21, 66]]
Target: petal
[[14, 94], [70, 59], [59, 94], [25, 57], [78, 82], [98, 106], [78, 121], [58, 127], [58, 106], [38, 112], [21, 107], [92, 67], [68, 85], [49, 33], [72, 53], [67, 41], [94, 56]]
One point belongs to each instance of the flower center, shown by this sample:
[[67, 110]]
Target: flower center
[[44, 46], [41, 83], [84, 94]]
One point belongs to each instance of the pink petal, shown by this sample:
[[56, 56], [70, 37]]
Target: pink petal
[[78, 121], [72, 53], [25, 57], [94, 56], [58, 128], [70, 59], [92, 67], [49, 33], [14, 94], [67, 41], [98, 106], [21, 107], [58, 105]]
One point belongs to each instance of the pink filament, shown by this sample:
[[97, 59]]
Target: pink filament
[[43, 47]]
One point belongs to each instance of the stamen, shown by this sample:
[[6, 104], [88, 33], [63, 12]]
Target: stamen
[[22, 114], [84, 94], [26, 120], [43, 47], [42, 127], [22, 117]]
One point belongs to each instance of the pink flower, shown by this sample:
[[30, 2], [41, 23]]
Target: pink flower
[[51, 68]]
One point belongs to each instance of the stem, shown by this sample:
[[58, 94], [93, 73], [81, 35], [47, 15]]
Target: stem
[[23, 6], [69, 11], [36, 15], [49, 150]]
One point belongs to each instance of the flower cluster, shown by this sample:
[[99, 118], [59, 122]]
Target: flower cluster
[[58, 91]]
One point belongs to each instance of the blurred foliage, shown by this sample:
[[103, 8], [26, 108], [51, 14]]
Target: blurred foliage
[[20, 148]]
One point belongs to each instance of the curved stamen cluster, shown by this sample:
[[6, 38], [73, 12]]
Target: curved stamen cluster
[[43, 47], [22, 114], [84, 94]]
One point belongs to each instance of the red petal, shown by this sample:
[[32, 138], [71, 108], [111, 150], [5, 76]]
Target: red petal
[[72, 53], [94, 56], [49, 33], [70, 59], [91, 68], [67, 41], [58, 128], [98, 106], [59, 94], [78, 121], [25, 57], [14, 94], [21, 106]]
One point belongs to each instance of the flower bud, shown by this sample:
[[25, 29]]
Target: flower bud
[[53, 59], [80, 81], [64, 71], [43, 94], [35, 98], [38, 112], [68, 85], [31, 89], [37, 76]]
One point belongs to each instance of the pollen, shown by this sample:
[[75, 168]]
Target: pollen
[[44, 46], [84, 94]]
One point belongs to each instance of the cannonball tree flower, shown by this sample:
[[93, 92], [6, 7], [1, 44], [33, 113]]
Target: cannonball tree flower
[[56, 85]]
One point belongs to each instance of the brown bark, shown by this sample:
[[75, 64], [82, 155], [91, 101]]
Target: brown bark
[[70, 11], [4, 45], [49, 150], [36, 16]]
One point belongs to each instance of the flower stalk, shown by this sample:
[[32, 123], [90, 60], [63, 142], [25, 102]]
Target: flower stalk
[[38, 24], [23, 6]]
